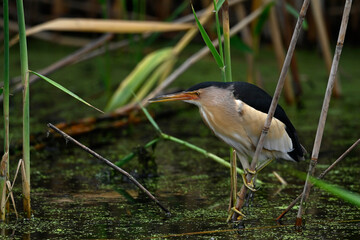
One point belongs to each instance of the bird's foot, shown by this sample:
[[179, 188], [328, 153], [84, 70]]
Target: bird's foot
[[238, 211], [235, 210], [250, 185], [252, 172]]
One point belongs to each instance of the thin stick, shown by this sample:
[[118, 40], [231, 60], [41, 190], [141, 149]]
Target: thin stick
[[280, 83], [275, 99], [321, 176], [281, 180], [325, 107], [107, 162]]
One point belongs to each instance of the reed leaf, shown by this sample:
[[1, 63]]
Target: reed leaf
[[156, 77], [137, 77], [104, 26], [55, 84], [351, 197], [208, 42], [218, 5]]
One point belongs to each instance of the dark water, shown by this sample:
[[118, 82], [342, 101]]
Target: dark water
[[74, 196]]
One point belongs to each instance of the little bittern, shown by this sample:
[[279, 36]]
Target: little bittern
[[236, 113]]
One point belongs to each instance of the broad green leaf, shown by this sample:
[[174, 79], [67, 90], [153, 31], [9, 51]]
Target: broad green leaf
[[295, 13], [137, 77], [157, 76], [55, 84], [208, 42]]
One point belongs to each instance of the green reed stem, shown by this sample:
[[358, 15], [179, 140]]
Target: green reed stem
[[226, 32], [26, 106], [200, 150], [219, 39], [4, 173]]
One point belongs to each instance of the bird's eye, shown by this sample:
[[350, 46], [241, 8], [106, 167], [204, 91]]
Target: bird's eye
[[197, 93]]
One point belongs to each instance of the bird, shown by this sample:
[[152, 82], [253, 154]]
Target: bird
[[236, 113]]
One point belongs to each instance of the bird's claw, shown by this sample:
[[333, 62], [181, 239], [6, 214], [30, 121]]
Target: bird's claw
[[249, 171], [249, 185], [238, 211]]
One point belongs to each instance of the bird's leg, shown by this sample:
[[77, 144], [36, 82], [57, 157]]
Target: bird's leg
[[253, 173], [246, 166], [249, 184], [233, 179], [263, 165]]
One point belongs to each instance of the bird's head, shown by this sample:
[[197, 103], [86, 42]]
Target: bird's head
[[197, 94], [188, 96]]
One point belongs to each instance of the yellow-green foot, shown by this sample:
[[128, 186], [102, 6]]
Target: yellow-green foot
[[249, 185]]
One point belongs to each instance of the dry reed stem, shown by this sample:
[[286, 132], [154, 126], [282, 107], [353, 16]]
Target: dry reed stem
[[324, 110], [107, 162], [275, 99], [324, 41], [104, 26], [26, 190], [281, 179], [321, 176], [278, 45], [12, 197]]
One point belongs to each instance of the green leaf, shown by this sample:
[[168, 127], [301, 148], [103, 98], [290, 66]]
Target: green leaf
[[138, 77], [55, 84], [351, 197], [1, 90], [219, 5], [208, 42], [262, 19], [151, 120], [295, 13]]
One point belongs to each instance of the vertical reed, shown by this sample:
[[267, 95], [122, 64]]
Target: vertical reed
[[226, 33], [276, 97], [26, 107], [324, 110], [4, 173]]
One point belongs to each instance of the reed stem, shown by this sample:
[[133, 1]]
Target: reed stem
[[275, 100], [4, 174], [324, 110], [226, 33], [218, 32], [26, 107], [321, 176], [200, 150]]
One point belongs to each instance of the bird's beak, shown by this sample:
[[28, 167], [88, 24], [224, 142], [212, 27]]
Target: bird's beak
[[181, 96]]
